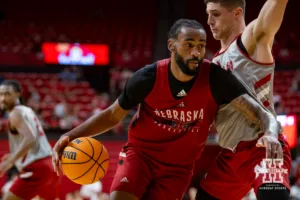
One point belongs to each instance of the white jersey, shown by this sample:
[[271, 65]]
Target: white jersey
[[41, 148], [257, 78]]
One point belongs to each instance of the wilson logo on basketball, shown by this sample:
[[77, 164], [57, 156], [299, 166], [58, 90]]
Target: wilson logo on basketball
[[69, 155], [77, 141]]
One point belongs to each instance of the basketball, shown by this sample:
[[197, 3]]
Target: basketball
[[85, 160]]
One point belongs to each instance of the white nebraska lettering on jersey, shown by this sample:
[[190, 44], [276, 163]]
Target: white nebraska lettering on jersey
[[183, 116]]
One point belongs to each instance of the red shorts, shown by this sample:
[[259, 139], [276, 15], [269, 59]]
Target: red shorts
[[38, 178], [233, 175], [148, 180]]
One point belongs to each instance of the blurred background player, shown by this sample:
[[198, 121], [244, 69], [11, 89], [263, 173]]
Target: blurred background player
[[247, 52], [30, 150], [178, 100]]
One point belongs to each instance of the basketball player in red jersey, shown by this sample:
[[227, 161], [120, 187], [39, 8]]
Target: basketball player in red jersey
[[30, 150], [246, 159], [178, 99]]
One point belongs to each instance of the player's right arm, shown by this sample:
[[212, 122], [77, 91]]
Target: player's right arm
[[259, 34], [135, 91], [99, 123]]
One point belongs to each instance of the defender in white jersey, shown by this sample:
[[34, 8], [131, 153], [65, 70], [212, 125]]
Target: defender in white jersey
[[248, 155], [30, 150]]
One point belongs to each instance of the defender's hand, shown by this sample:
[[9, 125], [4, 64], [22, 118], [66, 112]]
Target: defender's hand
[[272, 145]]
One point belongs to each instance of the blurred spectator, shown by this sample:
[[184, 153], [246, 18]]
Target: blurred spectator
[[60, 110], [295, 192], [276, 98], [91, 191], [52, 122], [70, 119], [37, 43], [280, 109], [1, 79], [104, 100], [126, 56], [48, 98], [99, 103], [77, 73], [126, 74], [62, 38], [295, 174], [33, 94], [73, 196], [68, 75], [284, 55], [34, 105], [296, 170], [295, 87], [115, 79], [96, 107], [118, 80]]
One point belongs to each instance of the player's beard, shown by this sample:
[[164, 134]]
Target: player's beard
[[9, 106], [4, 107], [184, 65]]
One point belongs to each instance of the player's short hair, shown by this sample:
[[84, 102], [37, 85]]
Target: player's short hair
[[229, 4], [14, 84], [179, 24]]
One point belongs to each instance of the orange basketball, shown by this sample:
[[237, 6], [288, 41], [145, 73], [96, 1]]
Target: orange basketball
[[85, 160]]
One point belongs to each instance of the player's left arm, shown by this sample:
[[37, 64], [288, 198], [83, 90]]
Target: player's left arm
[[253, 111], [20, 122], [226, 88], [264, 28]]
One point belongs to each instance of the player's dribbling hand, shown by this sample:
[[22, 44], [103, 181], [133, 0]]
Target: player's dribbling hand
[[272, 145], [57, 152]]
